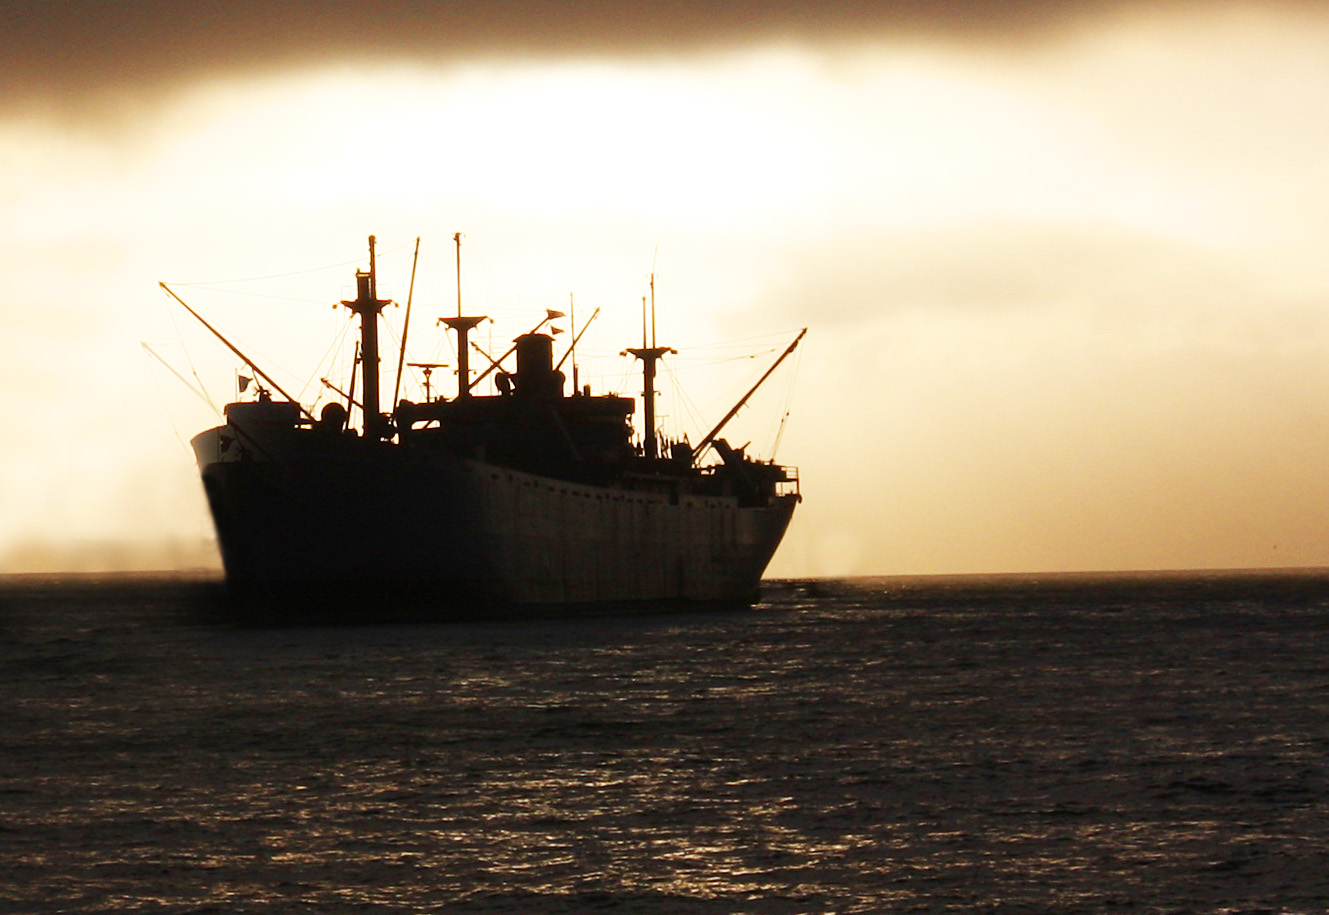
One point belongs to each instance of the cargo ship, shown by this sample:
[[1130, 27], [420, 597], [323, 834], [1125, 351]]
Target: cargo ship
[[530, 497]]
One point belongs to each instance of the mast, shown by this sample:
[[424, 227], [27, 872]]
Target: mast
[[463, 326], [369, 306], [649, 355]]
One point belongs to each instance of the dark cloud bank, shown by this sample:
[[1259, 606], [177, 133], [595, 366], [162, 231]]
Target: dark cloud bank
[[62, 50]]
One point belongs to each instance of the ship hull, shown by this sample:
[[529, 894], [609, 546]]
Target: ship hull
[[464, 537]]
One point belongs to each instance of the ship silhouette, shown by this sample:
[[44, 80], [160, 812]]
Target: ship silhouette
[[530, 499]]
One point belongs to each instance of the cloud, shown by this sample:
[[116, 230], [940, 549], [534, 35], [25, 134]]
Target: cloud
[[75, 50]]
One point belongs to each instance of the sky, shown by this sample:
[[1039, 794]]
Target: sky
[[1062, 264]]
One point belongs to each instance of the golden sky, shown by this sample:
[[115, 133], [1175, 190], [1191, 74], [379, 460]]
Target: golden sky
[[1062, 263]]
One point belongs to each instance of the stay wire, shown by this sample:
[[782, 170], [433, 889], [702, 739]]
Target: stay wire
[[338, 341], [787, 402], [193, 369], [273, 276], [170, 418]]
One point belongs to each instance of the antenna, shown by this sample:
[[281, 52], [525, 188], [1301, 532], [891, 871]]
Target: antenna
[[457, 238]]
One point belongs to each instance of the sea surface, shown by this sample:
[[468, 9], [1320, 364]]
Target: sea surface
[[1053, 744]]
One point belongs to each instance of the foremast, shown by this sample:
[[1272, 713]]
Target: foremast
[[369, 306]]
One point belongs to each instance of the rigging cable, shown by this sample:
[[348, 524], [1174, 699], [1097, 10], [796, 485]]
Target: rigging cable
[[277, 276], [790, 386], [170, 312], [337, 342], [156, 383]]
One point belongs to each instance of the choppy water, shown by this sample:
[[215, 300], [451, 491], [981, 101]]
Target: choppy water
[[1014, 745]]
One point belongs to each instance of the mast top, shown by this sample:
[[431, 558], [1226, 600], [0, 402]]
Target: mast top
[[463, 325]]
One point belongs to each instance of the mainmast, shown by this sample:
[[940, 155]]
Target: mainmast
[[649, 355], [463, 327], [369, 306]]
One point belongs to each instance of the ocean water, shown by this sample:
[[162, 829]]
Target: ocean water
[[1040, 744]]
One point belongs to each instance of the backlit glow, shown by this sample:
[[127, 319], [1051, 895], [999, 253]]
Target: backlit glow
[[1067, 307]]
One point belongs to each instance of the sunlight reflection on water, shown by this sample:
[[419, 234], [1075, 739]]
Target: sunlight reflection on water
[[1009, 749]]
